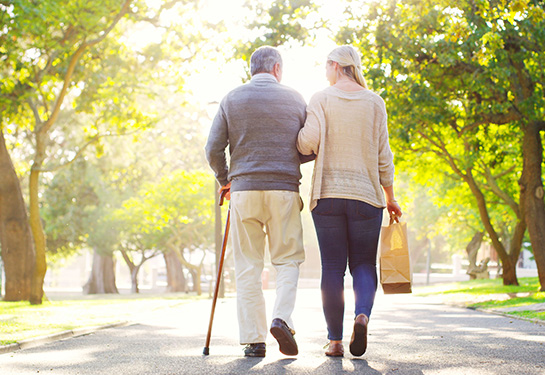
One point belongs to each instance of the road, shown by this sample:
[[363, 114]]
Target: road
[[407, 335]]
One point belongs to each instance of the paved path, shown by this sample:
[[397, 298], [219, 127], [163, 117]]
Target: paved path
[[408, 335]]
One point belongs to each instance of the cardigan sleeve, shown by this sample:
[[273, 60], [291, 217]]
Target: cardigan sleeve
[[385, 156], [308, 140]]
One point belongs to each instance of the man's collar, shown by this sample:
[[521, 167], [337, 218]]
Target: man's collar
[[264, 77]]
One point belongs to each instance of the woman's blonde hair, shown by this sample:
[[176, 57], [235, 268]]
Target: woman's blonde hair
[[349, 59]]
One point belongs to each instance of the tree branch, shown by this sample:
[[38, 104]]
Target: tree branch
[[145, 258], [34, 110], [128, 260], [47, 66], [494, 118], [447, 156], [485, 218], [494, 187], [72, 66], [506, 172], [155, 19], [82, 148]]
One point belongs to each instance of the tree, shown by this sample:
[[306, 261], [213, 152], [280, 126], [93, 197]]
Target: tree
[[102, 235], [69, 201], [173, 215], [176, 281], [102, 277], [55, 53], [44, 63], [283, 21], [462, 83], [16, 244], [434, 218], [16, 240], [74, 205]]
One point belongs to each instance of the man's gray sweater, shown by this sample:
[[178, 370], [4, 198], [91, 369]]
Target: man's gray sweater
[[259, 121]]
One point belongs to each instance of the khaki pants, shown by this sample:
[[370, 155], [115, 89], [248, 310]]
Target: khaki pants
[[255, 215]]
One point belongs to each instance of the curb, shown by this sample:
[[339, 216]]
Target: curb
[[41, 340], [514, 317], [497, 312]]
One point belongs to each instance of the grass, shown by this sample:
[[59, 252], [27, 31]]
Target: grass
[[491, 294], [20, 320]]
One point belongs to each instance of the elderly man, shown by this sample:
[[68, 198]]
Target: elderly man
[[259, 121]]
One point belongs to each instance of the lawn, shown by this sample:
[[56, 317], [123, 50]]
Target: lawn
[[20, 320], [491, 294]]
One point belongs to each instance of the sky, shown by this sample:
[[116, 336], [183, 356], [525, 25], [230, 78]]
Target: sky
[[210, 80], [304, 67]]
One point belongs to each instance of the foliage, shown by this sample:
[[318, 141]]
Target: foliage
[[450, 114], [275, 24], [105, 80], [460, 84], [179, 206], [431, 220], [69, 197], [88, 192]]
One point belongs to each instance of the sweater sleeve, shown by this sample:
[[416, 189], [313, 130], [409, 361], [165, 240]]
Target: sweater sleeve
[[308, 140], [385, 156], [218, 140]]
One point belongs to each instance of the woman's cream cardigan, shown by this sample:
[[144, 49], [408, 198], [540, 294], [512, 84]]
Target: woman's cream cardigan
[[348, 132]]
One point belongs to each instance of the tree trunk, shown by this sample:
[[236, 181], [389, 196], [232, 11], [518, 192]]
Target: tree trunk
[[134, 279], [196, 277], [102, 278], [472, 249], [175, 276], [132, 268], [509, 267], [15, 236], [531, 195], [194, 270], [37, 286], [516, 240]]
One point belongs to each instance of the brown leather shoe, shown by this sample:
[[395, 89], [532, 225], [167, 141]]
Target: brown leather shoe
[[358, 342], [335, 350], [284, 335]]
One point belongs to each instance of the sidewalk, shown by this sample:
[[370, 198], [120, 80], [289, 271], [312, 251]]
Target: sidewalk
[[407, 335]]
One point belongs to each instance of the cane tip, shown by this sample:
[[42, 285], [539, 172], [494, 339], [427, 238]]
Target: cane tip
[[206, 350]]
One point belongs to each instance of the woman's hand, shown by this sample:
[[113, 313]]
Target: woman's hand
[[394, 210]]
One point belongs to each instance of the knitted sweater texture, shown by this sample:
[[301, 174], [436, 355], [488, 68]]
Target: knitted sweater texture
[[348, 132], [259, 121]]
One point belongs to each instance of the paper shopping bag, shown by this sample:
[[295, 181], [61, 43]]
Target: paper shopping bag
[[395, 265]]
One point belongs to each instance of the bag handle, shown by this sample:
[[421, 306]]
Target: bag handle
[[392, 218]]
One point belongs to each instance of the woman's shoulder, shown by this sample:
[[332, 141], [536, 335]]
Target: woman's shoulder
[[319, 97], [376, 98], [324, 95]]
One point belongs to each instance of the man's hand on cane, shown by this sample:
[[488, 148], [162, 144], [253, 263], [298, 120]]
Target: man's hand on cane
[[225, 193]]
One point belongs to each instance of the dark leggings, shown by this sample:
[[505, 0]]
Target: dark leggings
[[348, 232]]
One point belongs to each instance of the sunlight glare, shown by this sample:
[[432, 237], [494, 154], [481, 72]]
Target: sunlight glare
[[216, 11]]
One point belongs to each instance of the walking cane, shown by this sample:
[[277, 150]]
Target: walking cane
[[206, 350]]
